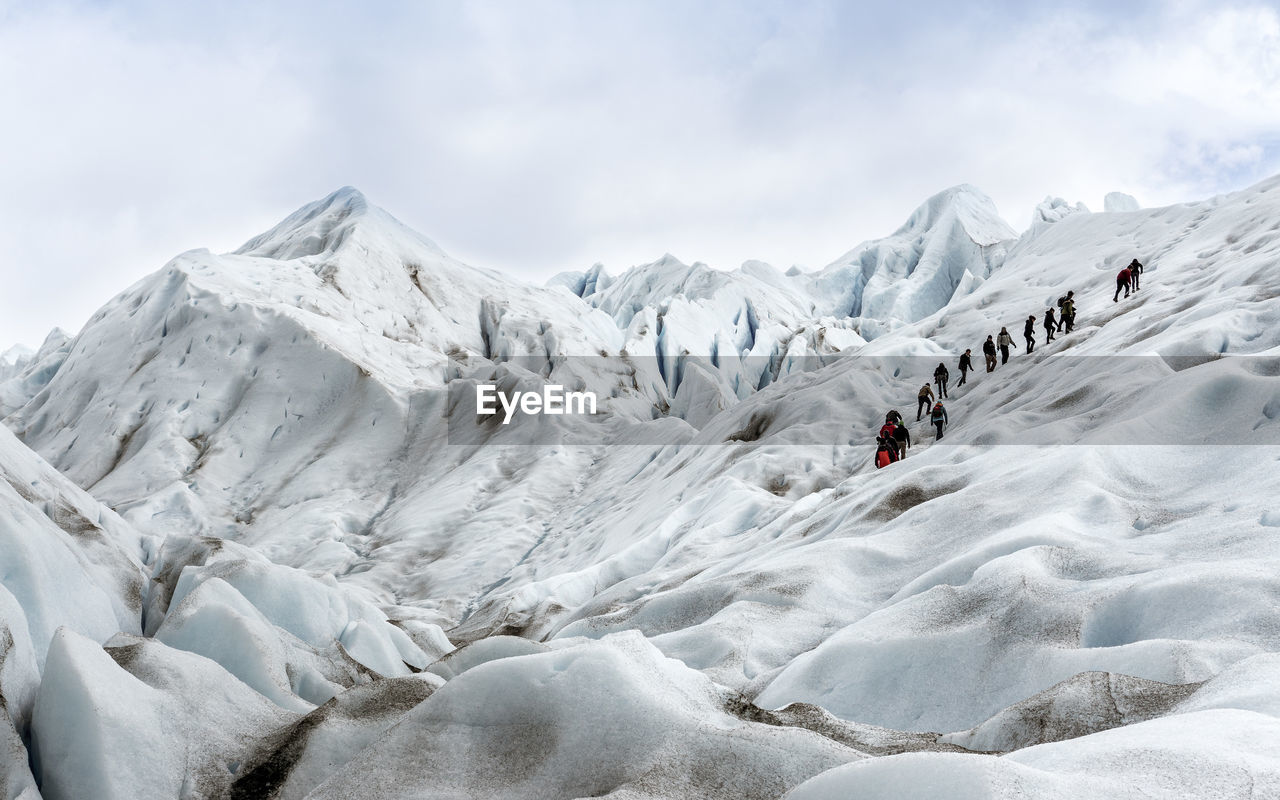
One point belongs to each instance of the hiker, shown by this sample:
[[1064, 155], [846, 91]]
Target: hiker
[[902, 437], [940, 376], [1068, 311], [886, 453], [1005, 341], [939, 419], [1122, 282], [966, 364], [1062, 312], [1049, 324], [893, 430], [989, 350], [923, 400], [1029, 333], [1135, 269], [888, 433]]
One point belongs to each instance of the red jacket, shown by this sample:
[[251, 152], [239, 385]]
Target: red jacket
[[1124, 276]]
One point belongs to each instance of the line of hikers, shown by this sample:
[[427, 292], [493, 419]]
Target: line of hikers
[[894, 438], [1128, 275]]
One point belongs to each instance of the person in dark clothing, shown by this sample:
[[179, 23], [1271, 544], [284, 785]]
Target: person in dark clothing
[[886, 452], [902, 437], [1062, 311], [989, 350], [1122, 282], [1049, 325], [1005, 341], [1029, 333], [1135, 269], [894, 417], [966, 364], [939, 419], [923, 400], [1069, 312], [940, 376]]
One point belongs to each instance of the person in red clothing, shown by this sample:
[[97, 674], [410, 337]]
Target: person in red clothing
[[1122, 282], [893, 430], [886, 452], [896, 434]]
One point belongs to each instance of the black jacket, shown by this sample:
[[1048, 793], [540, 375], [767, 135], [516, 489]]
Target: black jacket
[[989, 347], [941, 373], [966, 363]]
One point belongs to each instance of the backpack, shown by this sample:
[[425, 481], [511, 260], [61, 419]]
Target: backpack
[[1062, 301], [937, 415], [886, 453], [887, 430]]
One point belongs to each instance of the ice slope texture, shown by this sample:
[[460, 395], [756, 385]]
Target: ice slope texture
[[255, 543]]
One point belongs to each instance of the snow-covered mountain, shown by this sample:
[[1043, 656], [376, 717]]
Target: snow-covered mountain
[[297, 563]]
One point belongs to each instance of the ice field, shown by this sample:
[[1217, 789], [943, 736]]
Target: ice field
[[256, 542]]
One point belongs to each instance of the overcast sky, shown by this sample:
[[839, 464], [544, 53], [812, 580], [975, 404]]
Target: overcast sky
[[538, 136]]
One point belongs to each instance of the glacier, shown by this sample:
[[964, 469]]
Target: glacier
[[256, 542]]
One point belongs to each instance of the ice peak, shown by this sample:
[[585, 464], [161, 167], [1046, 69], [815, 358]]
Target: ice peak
[[970, 206], [323, 226], [1120, 202]]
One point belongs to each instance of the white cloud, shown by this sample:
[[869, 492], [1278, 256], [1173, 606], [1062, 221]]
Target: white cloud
[[539, 137]]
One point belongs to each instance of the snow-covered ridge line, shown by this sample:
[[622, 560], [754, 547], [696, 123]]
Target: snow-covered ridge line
[[300, 539]]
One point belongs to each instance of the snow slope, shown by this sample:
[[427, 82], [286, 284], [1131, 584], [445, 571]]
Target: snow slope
[[716, 593]]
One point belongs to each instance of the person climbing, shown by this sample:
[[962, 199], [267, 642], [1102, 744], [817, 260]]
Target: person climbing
[[886, 452], [1122, 282], [902, 437], [923, 400], [939, 419], [1062, 311], [1049, 325], [1069, 311], [887, 431], [989, 350], [894, 430], [966, 364], [1029, 333], [1135, 269], [940, 376], [1005, 341]]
